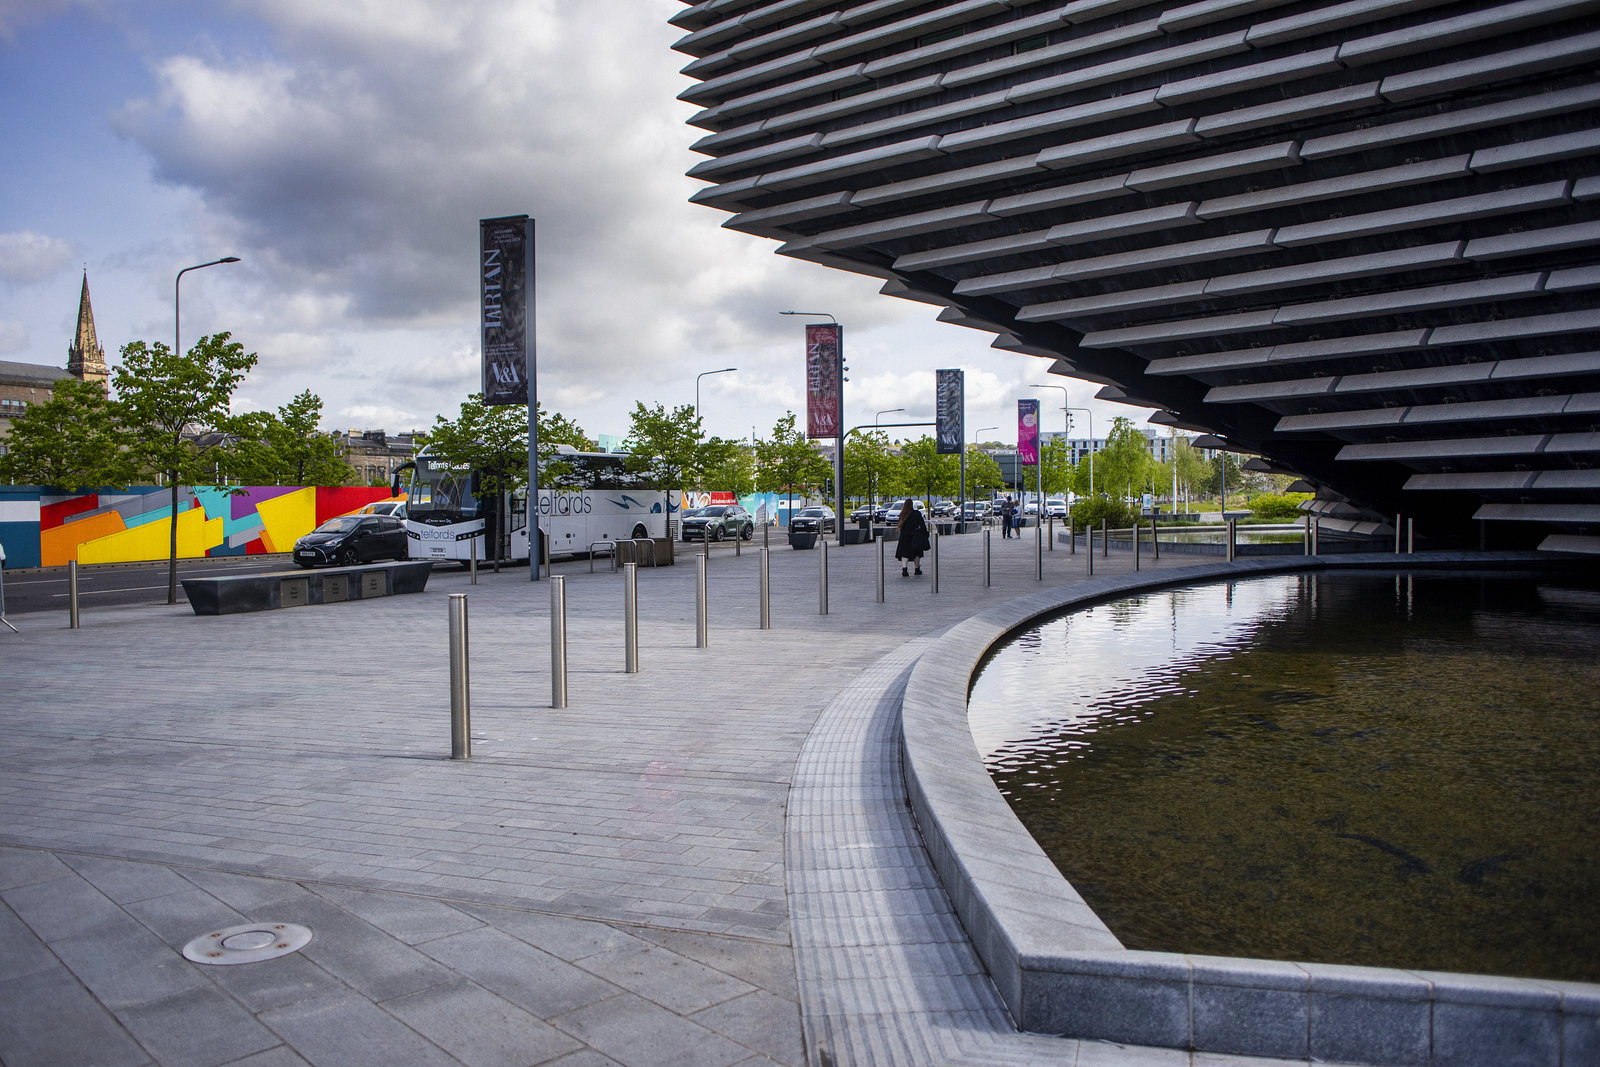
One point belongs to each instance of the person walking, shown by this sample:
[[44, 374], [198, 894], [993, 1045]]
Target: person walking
[[1007, 511], [913, 540]]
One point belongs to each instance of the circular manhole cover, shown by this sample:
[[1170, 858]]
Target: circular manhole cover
[[250, 943]]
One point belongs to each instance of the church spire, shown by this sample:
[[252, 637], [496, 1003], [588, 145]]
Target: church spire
[[86, 358]]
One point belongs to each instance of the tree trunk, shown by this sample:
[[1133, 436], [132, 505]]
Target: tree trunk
[[172, 558]]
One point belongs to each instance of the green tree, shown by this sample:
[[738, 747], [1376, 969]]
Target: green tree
[[491, 440], [1056, 463], [664, 445], [162, 396], [727, 466], [983, 473], [925, 473], [1123, 466], [285, 448], [870, 468], [71, 441], [556, 429], [786, 461], [1192, 467]]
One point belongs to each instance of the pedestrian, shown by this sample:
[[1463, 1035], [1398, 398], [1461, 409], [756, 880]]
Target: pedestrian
[[1007, 510], [913, 540]]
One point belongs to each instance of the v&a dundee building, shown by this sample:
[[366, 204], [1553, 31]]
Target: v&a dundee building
[[1356, 241]]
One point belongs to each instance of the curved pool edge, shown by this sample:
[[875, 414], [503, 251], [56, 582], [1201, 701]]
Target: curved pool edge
[[1061, 971]]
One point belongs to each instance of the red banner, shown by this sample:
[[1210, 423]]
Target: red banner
[[823, 346]]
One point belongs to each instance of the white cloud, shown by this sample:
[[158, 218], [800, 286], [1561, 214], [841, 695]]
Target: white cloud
[[27, 257]]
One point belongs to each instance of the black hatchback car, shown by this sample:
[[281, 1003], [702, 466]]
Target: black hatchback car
[[352, 539], [812, 520]]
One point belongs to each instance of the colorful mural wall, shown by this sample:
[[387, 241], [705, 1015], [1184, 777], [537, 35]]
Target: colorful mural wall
[[48, 528]]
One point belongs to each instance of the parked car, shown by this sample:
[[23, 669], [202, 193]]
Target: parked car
[[715, 522], [813, 520], [1056, 506], [945, 509], [397, 508], [890, 512], [351, 539], [977, 511], [865, 511]]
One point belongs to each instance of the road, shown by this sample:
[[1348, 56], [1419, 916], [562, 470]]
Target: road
[[115, 584], [110, 584]]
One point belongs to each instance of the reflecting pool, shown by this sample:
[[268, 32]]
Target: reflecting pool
[[1344, 768]]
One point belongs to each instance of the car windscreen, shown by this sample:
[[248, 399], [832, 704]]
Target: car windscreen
[[812, 513], [712, 513], [343, 524]]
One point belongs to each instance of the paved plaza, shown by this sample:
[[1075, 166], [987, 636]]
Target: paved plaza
[[707, 862]]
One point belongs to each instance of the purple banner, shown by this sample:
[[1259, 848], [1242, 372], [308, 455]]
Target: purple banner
[[1028, 432], [823, 343]]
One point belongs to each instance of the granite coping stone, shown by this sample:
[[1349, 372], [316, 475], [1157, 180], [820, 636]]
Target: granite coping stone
[[1063, 977]]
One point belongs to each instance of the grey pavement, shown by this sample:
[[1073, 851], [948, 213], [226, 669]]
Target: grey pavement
[[706, 862]]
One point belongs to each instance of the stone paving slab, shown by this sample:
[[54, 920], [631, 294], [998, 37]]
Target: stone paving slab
[[614, 882]]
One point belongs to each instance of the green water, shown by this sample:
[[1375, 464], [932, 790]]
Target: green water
[[1345, 768]]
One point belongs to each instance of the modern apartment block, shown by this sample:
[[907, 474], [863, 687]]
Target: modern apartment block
[[1357, 240]]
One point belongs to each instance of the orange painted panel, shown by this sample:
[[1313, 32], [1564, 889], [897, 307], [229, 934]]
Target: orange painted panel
[[58, 545]]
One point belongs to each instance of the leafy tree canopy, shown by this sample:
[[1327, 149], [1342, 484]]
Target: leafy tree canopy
[[72, 441], [664, 445], [870, 468], [286, 448], [786, 461], [727, 466], [926, 474]]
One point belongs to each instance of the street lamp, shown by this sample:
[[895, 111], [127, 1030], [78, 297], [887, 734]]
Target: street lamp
[[876, 420], [697, 378], [1089, 413], [176, 348], [838, 438]]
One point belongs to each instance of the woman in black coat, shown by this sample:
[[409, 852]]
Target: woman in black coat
[[913, 538]]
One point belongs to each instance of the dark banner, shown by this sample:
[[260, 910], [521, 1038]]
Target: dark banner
[[950, 405], [503, 257], [1027, 432], [823, 348]]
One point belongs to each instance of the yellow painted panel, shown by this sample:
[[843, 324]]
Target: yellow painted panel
[[151, 540], [285, 519], [59, 546]]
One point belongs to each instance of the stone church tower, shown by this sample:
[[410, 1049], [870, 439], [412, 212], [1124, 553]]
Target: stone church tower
[[86, 358]]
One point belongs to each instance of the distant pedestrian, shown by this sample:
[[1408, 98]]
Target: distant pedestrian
[[1007, 511], [913, 540]]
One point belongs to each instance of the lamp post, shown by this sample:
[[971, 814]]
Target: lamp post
[[876, 420], [1066, 425], [1090, 414], [838, 437], [697, 378], [176, 348]]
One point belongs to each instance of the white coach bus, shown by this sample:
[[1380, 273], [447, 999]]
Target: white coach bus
[[593, 498]]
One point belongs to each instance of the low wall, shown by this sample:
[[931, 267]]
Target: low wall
[[1061, 971]]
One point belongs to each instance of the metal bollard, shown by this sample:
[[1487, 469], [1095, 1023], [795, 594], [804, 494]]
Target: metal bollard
[[1316, 528], [460, 681], [473, 564], [822, 578], [933, 561], [880, 572], [72, 594], [1052, 538], [1038, 550], [1135, 546], [1397, 525], [765, 529], [630, 618], [738, 544], [702, 628], [1088, 545], [1411, 536], [558, 641], [766, 591], [1233, 532], [1072, 536], [1155, 546], [1307, 535], [987, 574], [1105, 542]]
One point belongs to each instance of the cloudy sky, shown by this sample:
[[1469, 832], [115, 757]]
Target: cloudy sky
[[345, 151]]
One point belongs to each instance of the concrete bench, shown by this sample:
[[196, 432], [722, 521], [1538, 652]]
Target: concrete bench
[[230, 594]]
